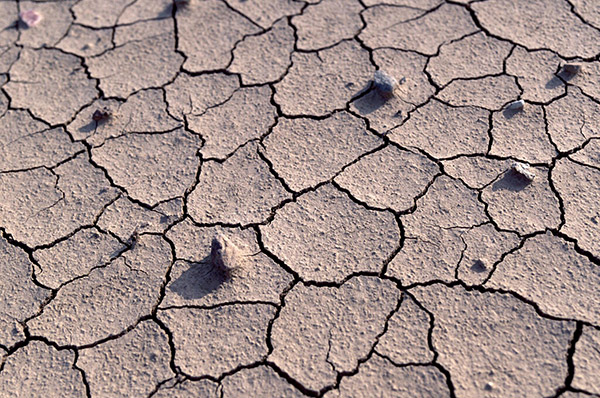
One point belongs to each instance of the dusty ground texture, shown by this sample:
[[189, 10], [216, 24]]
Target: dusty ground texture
[[383, 245]]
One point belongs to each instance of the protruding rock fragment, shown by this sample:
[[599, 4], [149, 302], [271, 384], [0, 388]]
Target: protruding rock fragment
[[571, 69], [101, 114], [516, 106], [385, 83], [224, 255], [30, 17], [523, 170], [181, 4]]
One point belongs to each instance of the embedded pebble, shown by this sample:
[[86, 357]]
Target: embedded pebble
[[224, 255], [30, 17], [516, 105], [524, 170], [385, 83], [319, 83], [570, 70], [196, 282], [535, 73]]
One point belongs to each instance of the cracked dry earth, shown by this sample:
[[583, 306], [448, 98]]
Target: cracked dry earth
[[385, 247]]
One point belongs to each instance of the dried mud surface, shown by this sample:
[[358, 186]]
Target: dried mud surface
[[384, 247]]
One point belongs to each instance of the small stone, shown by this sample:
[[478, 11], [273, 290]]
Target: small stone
[[516, 105], [224, 255], [181, 4], [101, 114], [523, 170], [385, 83], [30, 17], [489, 386], [571, 69], [479, 266]]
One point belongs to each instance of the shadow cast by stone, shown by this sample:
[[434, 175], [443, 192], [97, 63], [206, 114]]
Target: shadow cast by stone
[[88, 128], [511, 181], [198, 280], [369, 100], [555, 82], [508, 113]]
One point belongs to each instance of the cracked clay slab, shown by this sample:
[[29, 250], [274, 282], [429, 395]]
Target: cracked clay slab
[[411, 31], [131, 365], [443, 131], [522, 135], [325, 236], [50, 83], [76, 256], [305, 152], [28, 143], [218, 340], [208, 32], [319, 83], [433, 246], [389, 178], [142, 112], [484, 338], [572, 119], [406, 338], [559, 30], [378, 377], [140, 64], [535, 73], [582, 219], [521, 205], [240, 190], [247, 114], [586, 361], [123, 217], [261, 381], [40, 205], [564, 287], [40, 370], [491, 92], [142, 163], [473, 56], [20, 297], [266, 57], [327, 23], [57, 19], [313, 347], [108, 300]]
